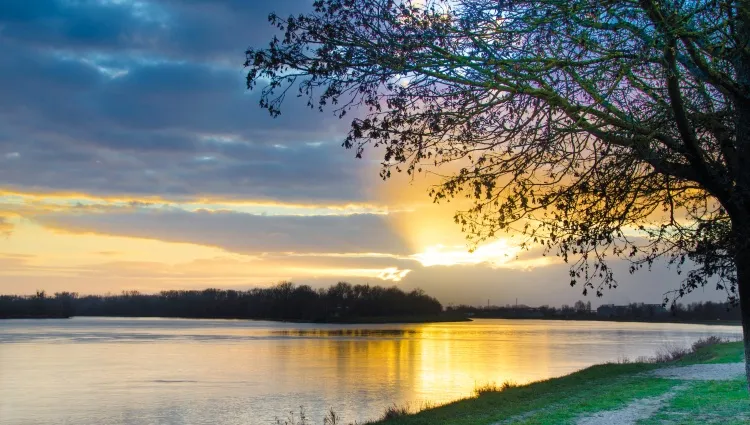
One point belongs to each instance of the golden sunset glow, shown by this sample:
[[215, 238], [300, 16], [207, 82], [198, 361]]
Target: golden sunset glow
[[96, 243], [108, 243], [236, 224], [388, 274], [62, 201], [337, 212], [495, 254]]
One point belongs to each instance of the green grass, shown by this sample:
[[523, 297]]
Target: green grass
[[595, 388], [729, 352], [706, 402], [599, 388]]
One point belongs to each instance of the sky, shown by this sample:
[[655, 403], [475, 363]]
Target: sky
[[132, 157]]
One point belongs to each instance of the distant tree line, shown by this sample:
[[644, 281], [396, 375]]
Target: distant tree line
[[693, 312], [284, 301], [38, 305]]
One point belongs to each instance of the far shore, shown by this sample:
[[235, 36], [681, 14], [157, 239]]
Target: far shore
[[343, 321], [408, 319], [623, 320], [34, 317]]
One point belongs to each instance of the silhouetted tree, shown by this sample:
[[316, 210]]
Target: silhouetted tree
[[579, 306], [284, 301], [38, 305], [575, 122], [695, 312]]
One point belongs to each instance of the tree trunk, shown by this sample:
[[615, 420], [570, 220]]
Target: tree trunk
[[741, 227], [743, 286]]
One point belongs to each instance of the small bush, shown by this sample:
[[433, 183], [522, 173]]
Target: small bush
[[427, 405], [492, 387], [393, 412], [622, 360], [705, 342], [489, 387], [670, 353], [507, 384]]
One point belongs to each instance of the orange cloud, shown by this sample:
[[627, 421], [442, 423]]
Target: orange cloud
[[65, 200], [5, 226]]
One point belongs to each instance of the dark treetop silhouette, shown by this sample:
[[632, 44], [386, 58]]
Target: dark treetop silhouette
[[697, 312], [285, 301], [595, 128]]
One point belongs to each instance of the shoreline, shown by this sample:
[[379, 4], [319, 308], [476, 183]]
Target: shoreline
[[353, 321], [400, 320], [34, 317], [706, 382], [623, 320]]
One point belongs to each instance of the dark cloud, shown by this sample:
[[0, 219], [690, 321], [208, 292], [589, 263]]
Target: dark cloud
[[195, 29], [225, 28], [244, 233], [240, 170], [148, 98], [73, 95], [206, 99], [87, 24], [139, 98]]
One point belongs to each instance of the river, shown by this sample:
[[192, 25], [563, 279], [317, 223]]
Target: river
[[101, 371]]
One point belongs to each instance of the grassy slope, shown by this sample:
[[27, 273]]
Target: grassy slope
[[730, 352], [709, 402], [601, 387]]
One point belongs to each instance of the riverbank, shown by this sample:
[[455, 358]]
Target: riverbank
[[374, 320], [618, 319], [443, 318], [705, 386]]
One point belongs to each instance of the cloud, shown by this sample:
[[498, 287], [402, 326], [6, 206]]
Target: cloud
[[475, 285], [138, 98], [24, 276], [196, 29], [131, 118], [6, 227], [76, 24], [242, 233], [151, 250], [34, 203]]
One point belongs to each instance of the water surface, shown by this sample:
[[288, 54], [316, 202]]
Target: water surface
[[102, 371]]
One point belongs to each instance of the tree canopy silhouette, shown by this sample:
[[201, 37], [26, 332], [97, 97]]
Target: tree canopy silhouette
[[596, 128], [284, 301]]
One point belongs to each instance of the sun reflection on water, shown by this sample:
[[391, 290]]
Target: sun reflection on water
[[132, 371]]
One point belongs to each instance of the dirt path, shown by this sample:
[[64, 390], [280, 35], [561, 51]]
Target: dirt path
[[635, 411], [647, 407], [703, 372]]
